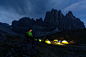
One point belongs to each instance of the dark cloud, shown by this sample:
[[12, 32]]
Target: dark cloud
[[16, 5]]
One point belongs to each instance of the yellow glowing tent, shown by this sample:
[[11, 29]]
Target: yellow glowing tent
[[65, 42], [55, 40], [40, 40], [47, 41]]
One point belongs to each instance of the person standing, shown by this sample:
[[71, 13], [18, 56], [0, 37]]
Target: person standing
[[29, 36]]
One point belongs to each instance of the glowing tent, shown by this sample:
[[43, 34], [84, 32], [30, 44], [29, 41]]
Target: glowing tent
[[55, 40], [40, 40], [72, 42], [47, 41], [65, 42], [59, 40]]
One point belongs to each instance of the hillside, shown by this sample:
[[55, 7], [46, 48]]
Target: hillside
[[16, 46]]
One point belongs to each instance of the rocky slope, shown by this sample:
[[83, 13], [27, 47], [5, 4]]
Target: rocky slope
[[5, 25], [16, 46], [13, 45], [5, 31]]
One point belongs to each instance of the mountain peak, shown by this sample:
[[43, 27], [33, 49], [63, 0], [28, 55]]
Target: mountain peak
[[52, 9], [70, 15], [70, 12]]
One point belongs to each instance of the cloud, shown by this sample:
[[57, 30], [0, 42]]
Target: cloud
[[15, 9], [78, 6], [28, 8], [8, 17]]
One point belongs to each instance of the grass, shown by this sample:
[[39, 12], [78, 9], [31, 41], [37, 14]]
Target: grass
[[45, 50]]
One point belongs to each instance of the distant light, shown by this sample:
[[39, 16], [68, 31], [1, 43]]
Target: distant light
[[65, 42], [47, 41], [40, 40], [58, 43], [35, 39]]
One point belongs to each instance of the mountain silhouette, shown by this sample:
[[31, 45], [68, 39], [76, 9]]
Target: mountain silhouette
[[53, 19]]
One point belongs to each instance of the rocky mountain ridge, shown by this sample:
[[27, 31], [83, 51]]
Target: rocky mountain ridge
[[53, 19], [67, 22]]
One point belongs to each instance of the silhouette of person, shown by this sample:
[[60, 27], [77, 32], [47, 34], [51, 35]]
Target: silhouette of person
[[29, 36]]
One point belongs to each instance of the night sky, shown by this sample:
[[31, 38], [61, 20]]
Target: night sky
[[15, 9]]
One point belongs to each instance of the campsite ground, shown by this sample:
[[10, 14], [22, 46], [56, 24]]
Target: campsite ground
[[45, 50], [78, 50]]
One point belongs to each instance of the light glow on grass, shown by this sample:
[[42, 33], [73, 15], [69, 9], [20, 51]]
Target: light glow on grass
[[58, 43]]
